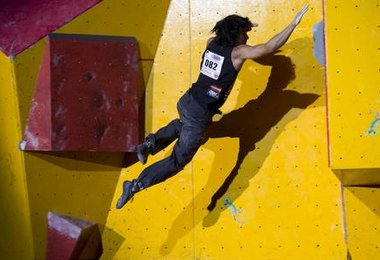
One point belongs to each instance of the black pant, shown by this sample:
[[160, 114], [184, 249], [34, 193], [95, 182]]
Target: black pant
[[189, 130]]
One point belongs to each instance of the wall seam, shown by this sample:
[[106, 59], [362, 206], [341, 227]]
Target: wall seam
[[192, 162]]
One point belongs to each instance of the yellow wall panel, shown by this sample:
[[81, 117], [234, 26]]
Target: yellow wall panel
[[353, 79], [363, 222], [16, 234], [142, 19], [268, 176], [26, 66]]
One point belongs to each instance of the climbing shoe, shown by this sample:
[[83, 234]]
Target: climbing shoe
[[127, 194], [143, 150]]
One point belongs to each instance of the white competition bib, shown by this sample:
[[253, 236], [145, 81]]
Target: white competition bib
[[212, 64]]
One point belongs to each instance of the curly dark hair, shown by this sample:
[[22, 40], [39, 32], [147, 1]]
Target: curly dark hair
[[229, 29]]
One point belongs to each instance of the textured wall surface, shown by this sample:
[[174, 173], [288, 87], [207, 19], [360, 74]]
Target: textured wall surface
[[72, 238], [263, 168], [362, 210], [15, 225], [77, 184], [260, 186], [81, 77], [23, 23], [353, 81]]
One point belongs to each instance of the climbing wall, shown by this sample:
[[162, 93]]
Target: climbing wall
[[15, 225], [103, 74], [260, 187], [76, 184], [146, 226], [353, 83], [362, 210], [23, 23]]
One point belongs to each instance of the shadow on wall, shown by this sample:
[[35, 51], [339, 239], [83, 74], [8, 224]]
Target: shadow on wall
[[112, 244], [368, 195], [250, 124], [82, 161]]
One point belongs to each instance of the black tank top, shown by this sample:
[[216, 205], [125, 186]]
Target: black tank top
[[216, 78]]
